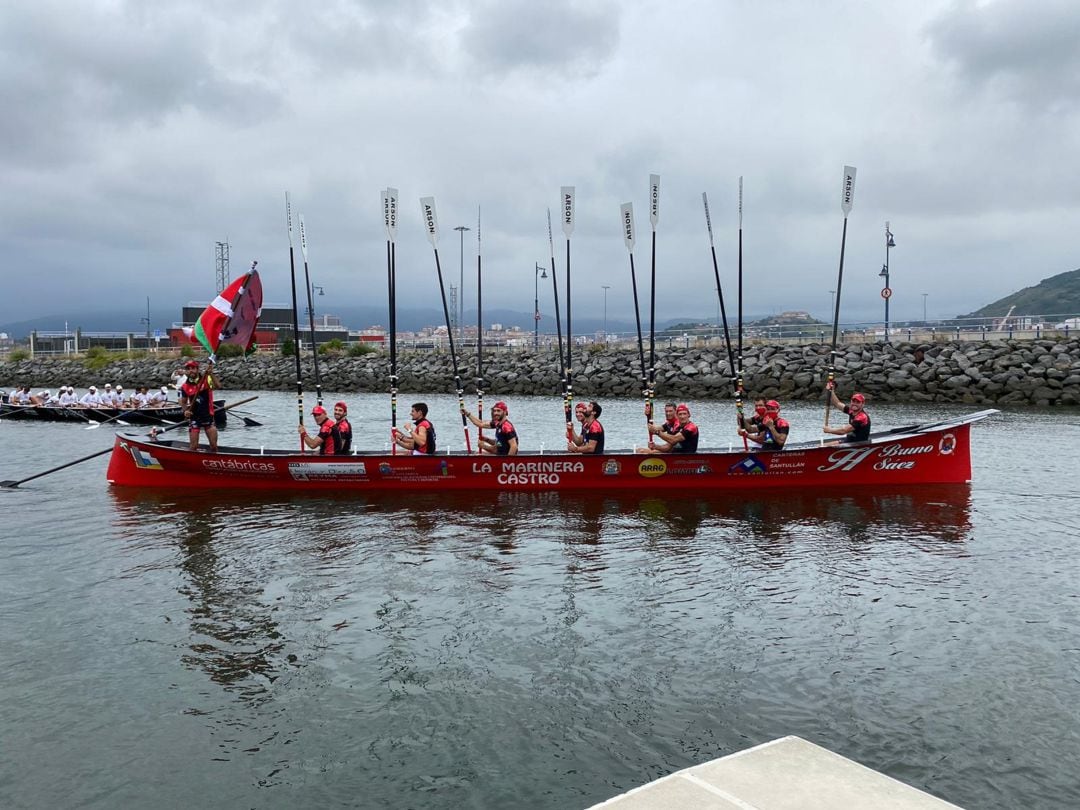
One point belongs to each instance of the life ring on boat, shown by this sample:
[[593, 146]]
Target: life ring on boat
[[947, 444]]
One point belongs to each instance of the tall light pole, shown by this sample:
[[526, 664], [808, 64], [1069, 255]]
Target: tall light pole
[[886, 291], [605, 288], [538, 273], [461, 287], [924, 308]]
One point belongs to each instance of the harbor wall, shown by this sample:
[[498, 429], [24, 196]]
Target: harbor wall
[[1028, 372]]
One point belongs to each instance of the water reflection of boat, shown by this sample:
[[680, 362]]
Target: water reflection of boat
[[934, 512]]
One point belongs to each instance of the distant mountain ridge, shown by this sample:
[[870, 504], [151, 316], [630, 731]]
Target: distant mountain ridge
[[1057, 295]]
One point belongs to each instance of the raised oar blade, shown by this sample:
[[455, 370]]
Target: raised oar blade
[[303, 238], [288, 218], [390, 212], [848, 194], [431, 221], [567, 211], [654, 199], [627, 212]]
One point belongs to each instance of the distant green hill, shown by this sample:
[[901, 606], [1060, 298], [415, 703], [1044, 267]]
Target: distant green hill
[[1057, 295]]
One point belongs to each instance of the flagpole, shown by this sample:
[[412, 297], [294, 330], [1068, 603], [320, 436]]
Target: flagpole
[[295, 322], [311, 313]]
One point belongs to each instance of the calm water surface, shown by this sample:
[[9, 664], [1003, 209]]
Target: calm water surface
[[507, 650]]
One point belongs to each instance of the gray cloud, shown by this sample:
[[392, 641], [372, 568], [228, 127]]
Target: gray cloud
[[573, 39], [1024, 52]]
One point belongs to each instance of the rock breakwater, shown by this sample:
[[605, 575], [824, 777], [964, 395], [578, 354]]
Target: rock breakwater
[[1040, 372]]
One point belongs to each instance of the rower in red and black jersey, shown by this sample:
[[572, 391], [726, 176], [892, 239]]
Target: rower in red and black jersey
[[858, 427], [198, 403], [420, 437], [344, 429], [772, 434], [591, 438], [505, 442], [680, 437], [327, 439]]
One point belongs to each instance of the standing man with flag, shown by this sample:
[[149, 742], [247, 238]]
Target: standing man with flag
[[198, 403]]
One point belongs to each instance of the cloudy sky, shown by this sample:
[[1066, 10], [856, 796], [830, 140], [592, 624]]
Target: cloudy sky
[[135, 135]]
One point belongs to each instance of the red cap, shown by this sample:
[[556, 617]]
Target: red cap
[[772, 405], [191, 364], [858, 398], [343, 406], [501, 406], [318, 409], [581, 406], [682, 408]]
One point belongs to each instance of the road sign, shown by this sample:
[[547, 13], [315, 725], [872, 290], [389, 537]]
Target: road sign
[[885, 293]]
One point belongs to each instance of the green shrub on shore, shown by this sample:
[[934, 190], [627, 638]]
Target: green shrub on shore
[[332, 348], [360, 349], [16, 355]]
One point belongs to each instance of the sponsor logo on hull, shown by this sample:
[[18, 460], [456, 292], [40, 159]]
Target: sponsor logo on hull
[[333, 471]]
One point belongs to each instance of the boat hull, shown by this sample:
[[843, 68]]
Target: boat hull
[[919, 455]]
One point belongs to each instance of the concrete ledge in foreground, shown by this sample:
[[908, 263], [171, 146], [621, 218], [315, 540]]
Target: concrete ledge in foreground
[[785, 774]]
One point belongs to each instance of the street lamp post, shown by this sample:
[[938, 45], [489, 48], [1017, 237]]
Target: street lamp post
[[605, 287], [886, 291], [538, 273], [461, 229]]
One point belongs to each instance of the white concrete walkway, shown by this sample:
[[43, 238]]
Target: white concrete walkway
[[785, 774]]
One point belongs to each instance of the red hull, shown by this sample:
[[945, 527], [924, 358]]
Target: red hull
[[929, 454]]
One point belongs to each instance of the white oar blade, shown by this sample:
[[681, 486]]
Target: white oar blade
[[848, 198], [431, 221], [654, 199], [391, 213], [303, 237], [567, 210], [627, 211], [92, 426], [740, 202], [288, 215]]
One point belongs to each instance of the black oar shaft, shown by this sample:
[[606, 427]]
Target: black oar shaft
[[311, 326], [453, 354], [14, 484]]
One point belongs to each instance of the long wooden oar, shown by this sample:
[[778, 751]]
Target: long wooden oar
[[431, 225], [654, 216], [567, 194], [295, 322], [311, 313], [626, 211], [390, 201], [479, 337], [15, 484], [847, 199], [723, 313], [558, 332]]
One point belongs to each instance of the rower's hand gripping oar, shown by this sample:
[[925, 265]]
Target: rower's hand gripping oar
[[154, 432], [431, 225], [847, 199]]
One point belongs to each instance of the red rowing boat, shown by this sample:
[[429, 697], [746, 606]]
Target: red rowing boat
[[935, 453]]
